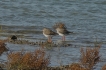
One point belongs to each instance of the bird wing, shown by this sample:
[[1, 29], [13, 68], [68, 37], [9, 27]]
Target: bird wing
[[64, 31], [50, 32]]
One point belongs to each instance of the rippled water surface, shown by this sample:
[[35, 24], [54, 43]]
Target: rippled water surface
[[26, 19]]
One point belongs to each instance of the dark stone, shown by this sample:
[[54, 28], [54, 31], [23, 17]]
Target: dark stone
[[13, 37]]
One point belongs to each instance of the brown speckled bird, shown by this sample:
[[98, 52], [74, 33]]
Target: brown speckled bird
[[62, 30], [48, 33], [59, 24]]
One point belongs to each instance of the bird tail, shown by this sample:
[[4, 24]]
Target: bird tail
[[71, 32]]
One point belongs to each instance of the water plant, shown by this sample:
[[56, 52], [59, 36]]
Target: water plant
[[104, 67], [2, 47], [76, 66], [89, 57], [36, 60]]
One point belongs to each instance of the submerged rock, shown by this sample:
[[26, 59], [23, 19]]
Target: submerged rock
[[12, 38]]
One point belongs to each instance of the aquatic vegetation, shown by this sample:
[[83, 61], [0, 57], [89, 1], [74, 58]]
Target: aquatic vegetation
[[48, 45], [2, 47], [39, 60], [28, 61], [104, 67], [89, 57], [76, 66]]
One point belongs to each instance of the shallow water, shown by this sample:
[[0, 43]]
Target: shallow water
[[26, 19]]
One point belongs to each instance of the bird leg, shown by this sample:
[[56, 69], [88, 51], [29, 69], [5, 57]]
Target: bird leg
[[63, 38], [49, 39]]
